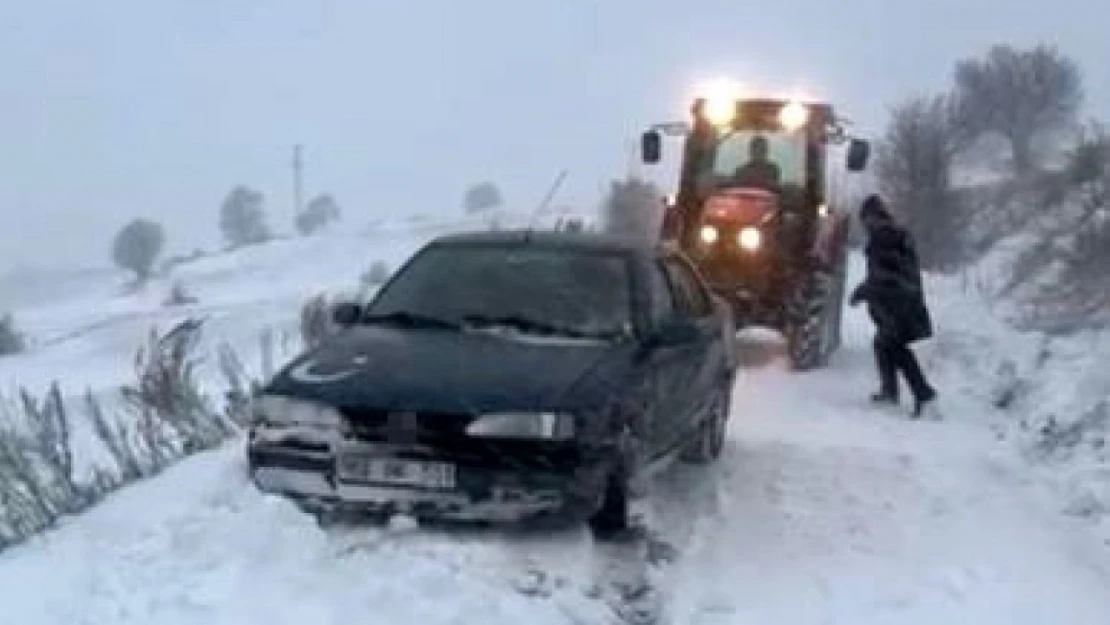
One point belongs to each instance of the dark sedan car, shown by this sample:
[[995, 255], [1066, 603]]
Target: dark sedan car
[[501, 376]]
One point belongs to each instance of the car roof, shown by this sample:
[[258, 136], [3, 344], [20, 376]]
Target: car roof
[[550, 239]]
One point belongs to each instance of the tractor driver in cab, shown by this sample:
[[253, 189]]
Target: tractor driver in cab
[[759, 171]]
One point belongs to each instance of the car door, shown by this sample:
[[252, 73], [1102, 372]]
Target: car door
[[668, 365], [700, 371]]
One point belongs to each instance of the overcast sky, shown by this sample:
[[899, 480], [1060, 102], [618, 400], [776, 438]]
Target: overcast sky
[[123, 108]]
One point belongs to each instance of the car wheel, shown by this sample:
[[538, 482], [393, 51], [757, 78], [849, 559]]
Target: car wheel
[[612, 517], [710, 439]]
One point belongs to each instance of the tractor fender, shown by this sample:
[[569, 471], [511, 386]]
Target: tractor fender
[[831, 236]]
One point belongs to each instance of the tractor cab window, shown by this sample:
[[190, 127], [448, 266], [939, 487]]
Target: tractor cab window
[[763, 159]]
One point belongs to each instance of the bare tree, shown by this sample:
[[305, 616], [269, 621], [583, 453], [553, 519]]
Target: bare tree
[[914, 170], [243, 218], [482, 197], [137, 246], [376, 275], [1023, 96], [322, 210], [633, 208]]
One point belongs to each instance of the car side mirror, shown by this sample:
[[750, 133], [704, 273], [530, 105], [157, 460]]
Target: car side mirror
[[346, 314], [676, 332], [859, 152], [651, 147]]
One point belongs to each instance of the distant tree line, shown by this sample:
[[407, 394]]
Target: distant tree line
[[242, 222]]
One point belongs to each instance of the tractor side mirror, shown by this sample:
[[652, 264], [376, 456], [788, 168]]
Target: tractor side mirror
[[651, 147], [859, 152]]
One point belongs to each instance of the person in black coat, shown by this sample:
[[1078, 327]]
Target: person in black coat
[[895, 299]]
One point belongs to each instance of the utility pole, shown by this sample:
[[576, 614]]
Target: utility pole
[[297, 173]]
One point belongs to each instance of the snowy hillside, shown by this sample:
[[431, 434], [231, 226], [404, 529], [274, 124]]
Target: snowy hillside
[[821, 510], [89, 329]]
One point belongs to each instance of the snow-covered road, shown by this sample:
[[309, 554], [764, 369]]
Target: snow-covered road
[[822, 510], [832, 512]]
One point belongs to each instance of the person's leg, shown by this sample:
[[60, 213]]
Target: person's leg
[[907, 363], [887, 367]]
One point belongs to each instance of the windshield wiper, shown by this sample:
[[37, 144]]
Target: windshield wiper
[[411, 320], [533, 326]]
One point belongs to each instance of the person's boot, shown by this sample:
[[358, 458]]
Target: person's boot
[[885, 397], [921, 401]]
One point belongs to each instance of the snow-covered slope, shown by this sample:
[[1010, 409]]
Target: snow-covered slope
[[822, 510], [87, 332]]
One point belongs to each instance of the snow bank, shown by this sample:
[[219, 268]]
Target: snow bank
[[1048, 394]]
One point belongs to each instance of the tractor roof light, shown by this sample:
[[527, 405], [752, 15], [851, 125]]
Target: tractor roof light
[[719, 111], [793, 116], [719, 101]]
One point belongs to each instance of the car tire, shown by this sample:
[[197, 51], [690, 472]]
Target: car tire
[[612, 517], [710, 439]]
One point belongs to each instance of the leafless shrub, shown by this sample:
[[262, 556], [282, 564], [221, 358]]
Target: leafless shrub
[[315, 320], [11, 340], [167, 394], [376, 275], [915, 171], [179, 296], [633, 208], [165, 417]]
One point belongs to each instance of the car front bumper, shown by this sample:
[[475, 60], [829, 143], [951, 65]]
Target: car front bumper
[[516, 487]]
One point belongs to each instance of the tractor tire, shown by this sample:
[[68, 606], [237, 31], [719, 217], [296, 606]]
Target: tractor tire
[[836, 299], [811, 323]]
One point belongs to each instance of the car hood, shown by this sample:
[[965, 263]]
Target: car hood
[[448, 371]]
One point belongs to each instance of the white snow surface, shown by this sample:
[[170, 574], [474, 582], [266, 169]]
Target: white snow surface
[[821, 510]]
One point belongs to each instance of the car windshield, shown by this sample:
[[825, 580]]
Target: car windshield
[[533, 290], [760, 158]]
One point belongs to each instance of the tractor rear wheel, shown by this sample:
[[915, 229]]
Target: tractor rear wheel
[[810, 326]]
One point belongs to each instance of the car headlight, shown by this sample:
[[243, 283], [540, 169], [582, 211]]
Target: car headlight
[[523, 425], [288, 411], [749, 238], [709, 234]]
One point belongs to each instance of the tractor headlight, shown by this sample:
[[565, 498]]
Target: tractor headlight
[[793, 116], [749, 238], [287, 411], [709, 234], [523, 425]]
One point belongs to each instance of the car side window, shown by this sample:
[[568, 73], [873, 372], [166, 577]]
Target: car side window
[[692, 300], [662, 300]]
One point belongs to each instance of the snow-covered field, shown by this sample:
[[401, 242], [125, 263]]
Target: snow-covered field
[[822, 509]]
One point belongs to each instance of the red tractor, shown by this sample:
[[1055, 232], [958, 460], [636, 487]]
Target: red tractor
[[758, 212]]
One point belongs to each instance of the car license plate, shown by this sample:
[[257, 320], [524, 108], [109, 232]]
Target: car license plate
[[396, 471]]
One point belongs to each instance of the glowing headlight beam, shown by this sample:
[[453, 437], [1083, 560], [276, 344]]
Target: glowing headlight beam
[[709, 234], [749, 238], [720, 100], [793, 116]]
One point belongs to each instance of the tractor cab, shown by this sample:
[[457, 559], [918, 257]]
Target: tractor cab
[[743, 153], [755, 207]]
